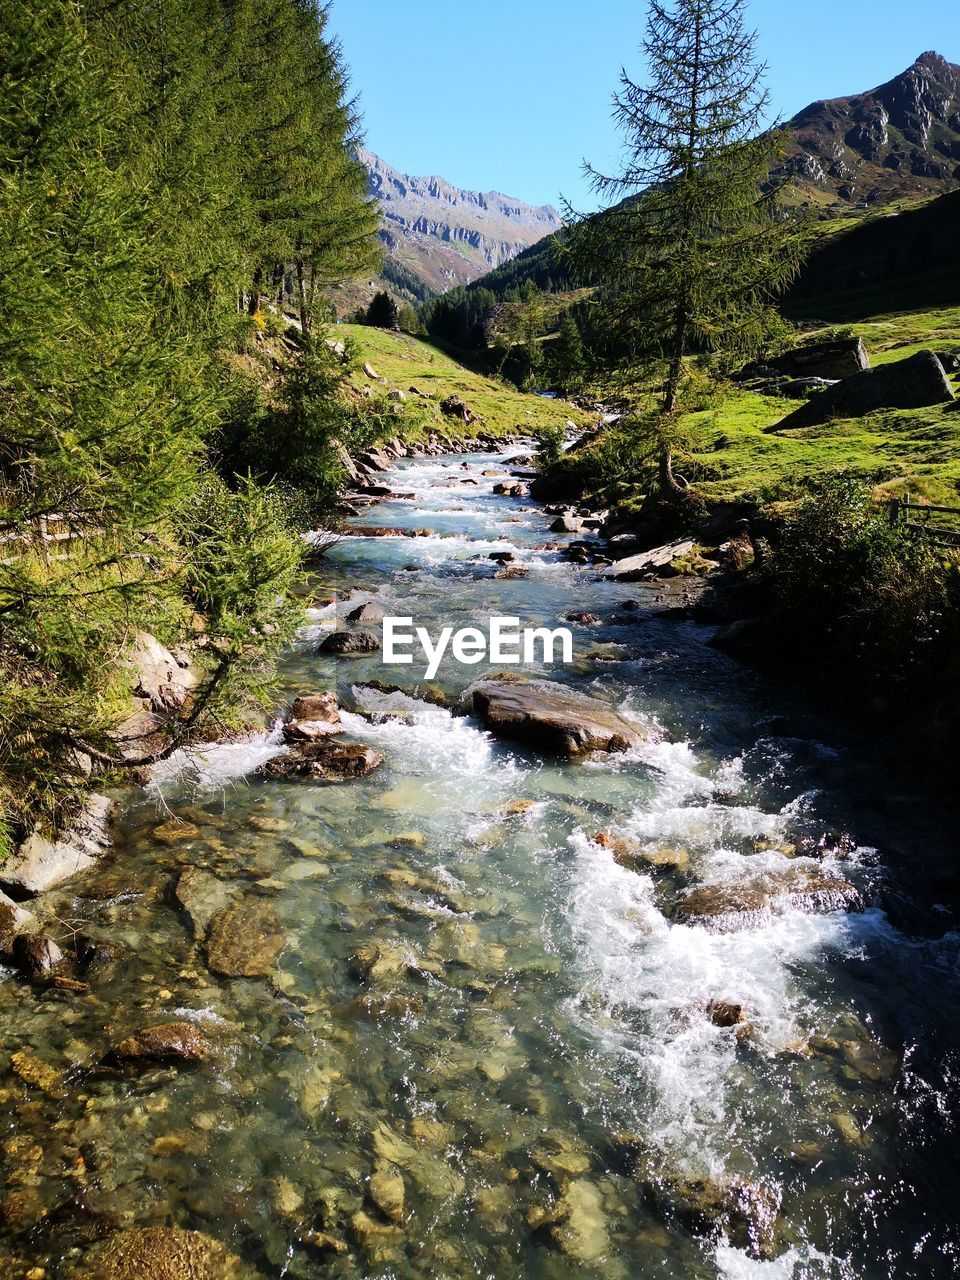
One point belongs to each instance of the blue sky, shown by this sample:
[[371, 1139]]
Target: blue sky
[[513, 94]]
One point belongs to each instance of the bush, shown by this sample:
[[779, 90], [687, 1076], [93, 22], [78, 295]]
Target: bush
[[550, 441], [882, 599]]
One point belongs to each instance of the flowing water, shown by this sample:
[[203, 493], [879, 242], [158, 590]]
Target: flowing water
[[473, 993]]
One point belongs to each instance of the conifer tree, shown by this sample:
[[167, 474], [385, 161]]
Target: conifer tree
[[694, 254], [383, 312], [567, 358]]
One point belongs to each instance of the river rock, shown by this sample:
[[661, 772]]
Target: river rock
[[387, 1191], [726, 908], [13, 920], [201, 894], [324, 760], [582, 1230], [163, 1253], [550, 716], [245, 939], [40, 863], [173, 1042], [349, 643], [369, 612], [312, 716], [567, 524], [36, 955], [914, 383], [658, 561], [746, 1214]]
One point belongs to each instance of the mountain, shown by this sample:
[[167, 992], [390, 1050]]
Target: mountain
[[436, 235], [900, 142], [897, 141]]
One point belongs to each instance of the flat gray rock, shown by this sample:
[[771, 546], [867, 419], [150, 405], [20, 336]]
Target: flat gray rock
[[550, 716], [657, 560], [39, 864]]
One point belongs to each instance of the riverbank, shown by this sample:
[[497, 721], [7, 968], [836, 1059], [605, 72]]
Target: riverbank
[[649, 1011]]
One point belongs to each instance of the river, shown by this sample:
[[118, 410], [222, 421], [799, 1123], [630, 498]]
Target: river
[[479, 1006]]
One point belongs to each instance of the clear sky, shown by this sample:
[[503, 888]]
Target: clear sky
[[511, 95]]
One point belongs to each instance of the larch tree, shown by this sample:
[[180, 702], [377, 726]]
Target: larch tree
[[695, 252]]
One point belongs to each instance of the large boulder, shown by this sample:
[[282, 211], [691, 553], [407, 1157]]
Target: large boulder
[[915, 383], [657, 561], [839, 359], [41, 863], [245, 939], [727, 908], [550, 716], [162, 1253]]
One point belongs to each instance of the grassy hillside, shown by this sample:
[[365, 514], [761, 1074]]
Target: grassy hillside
[[916, 451], [405, 362], [881, 264]]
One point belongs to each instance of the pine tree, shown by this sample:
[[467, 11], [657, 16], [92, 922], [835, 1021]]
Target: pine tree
[[567, 358], [694, 254], [383, 312]]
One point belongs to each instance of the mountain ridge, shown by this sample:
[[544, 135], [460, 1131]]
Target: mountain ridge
[[437, 235]]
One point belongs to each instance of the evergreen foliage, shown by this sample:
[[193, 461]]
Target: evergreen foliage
[[694, 254], [383, 312], [567, 360], [159, 165]]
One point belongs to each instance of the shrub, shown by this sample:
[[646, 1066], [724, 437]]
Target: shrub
[[879, 597]]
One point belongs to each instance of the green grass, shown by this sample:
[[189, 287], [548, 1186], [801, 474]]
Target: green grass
[[405, 361], [898, 451]]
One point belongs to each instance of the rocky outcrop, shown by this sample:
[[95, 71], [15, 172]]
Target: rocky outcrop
[[915, 383], [162, 1253], [898, 139], [40, 862], [549, 716], [163, 680]]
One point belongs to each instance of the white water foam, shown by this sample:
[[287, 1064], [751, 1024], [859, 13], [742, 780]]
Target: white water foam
[[213, 767]]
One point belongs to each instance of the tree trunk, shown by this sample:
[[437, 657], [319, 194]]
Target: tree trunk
[[302, 299], [254, 305]]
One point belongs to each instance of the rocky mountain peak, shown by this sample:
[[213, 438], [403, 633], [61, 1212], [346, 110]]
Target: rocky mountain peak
[[900, 139], [437, 235]]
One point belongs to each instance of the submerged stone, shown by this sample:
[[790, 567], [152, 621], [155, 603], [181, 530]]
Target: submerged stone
[[163, 1253], [387, 1191], [245, 939], [173, 1042]]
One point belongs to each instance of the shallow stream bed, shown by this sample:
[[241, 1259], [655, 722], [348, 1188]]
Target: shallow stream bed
[[490, 1049]]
